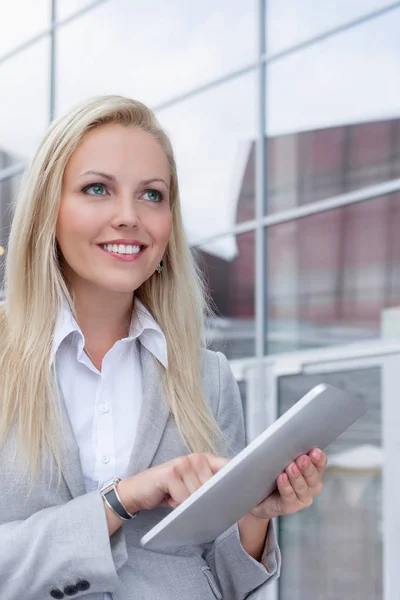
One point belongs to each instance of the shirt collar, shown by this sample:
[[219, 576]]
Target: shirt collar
[[143, 327]]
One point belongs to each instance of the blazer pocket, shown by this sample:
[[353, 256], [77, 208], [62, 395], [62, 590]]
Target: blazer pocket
[[211, 582]]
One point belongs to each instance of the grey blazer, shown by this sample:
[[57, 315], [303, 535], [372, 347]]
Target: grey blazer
[[56, 542]]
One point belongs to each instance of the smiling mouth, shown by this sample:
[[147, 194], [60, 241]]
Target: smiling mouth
[[124, 252], [122, 248]]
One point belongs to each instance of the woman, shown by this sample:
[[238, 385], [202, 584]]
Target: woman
[[104, 375]]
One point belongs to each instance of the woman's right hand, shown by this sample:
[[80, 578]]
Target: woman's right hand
[[170, 483], [167, 485]]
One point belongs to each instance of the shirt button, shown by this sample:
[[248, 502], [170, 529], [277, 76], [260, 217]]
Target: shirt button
[[104, 408], [105, 459]]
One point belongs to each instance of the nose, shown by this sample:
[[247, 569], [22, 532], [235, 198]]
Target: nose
[[126, 214]]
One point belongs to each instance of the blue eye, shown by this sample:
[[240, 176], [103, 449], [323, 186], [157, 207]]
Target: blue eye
[[95, 189], [153, 195]]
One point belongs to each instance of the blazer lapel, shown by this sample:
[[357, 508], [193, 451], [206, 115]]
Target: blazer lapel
[[153, 415], [70, 460]]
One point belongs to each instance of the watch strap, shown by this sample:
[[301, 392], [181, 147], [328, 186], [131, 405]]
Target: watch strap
[[114, 502]]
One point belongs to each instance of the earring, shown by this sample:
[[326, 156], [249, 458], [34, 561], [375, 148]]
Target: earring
[[160, 267]]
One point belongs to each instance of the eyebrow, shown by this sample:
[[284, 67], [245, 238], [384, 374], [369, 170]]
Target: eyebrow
[[113, 179]]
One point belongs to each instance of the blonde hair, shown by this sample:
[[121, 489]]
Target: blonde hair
[[34, 286]]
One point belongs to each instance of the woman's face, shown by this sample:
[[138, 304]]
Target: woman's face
[[114, 221]]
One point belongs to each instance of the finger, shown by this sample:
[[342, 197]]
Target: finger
[[319, 459], [201, 467], [178, 491], [216, 463], [191, 481], [288, 496], [299, 484], [310, 474]]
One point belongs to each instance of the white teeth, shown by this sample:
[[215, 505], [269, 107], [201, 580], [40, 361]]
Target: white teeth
[[122, 249]]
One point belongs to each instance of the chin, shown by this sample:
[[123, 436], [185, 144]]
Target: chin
[[120, 287]]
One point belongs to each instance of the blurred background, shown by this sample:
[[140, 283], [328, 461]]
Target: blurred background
[[285, 119]]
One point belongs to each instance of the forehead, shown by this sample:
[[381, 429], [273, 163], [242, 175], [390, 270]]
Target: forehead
[[120, 151]]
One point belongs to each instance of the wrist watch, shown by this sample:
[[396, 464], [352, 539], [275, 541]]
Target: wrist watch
[[110, 495]]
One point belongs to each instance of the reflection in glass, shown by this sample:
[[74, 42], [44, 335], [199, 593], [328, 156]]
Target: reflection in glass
[[152, 50], [334, 549], [313, 165], [67, 8], [331, 275], [228, 267], [8, 191], [337, 92], [212, 137], [21, 20], [293, 21], [24, 101]]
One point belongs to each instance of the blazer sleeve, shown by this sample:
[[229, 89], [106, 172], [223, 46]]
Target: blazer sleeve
[[237, 574], [58, 546]]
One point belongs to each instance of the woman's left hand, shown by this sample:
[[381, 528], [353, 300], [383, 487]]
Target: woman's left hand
[[296, 487]]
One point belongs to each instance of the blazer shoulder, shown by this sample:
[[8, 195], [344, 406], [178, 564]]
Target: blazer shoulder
[[217, 377], [223, 393]]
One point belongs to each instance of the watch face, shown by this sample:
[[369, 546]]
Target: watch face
[[108, 485]]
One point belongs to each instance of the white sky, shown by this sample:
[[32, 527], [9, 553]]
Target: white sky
[[152, 50]]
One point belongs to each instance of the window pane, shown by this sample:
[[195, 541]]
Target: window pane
[[313, 165], [67, 8], [21, 20], [334, 549], [24, 101], [129, 51], [211, 134], [294, 21], [350, 79], [331, 275], [8, 191], [228, 265]]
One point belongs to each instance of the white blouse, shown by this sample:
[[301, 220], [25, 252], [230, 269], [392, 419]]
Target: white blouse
[[104, 407]]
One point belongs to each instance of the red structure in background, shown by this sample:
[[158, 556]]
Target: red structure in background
[[340, 267]]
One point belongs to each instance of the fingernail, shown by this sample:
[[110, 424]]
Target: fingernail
[[285, 478], [295, 470], [316, 454], [304, 461]]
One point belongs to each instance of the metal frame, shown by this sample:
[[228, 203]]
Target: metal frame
[[52, 94], [261, 189], [360, 195], [385, 354], [269, 58], [12, 170], [53, 26]]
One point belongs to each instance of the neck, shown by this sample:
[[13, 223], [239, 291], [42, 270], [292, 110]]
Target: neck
[[104, 317]]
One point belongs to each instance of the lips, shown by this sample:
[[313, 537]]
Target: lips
[[123, 252]]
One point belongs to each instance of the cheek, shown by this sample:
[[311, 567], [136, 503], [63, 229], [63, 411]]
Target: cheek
[[165, 228], [74, 224], [158, 225]]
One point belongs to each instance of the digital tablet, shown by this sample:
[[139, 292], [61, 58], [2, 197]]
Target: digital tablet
[[315, 421]]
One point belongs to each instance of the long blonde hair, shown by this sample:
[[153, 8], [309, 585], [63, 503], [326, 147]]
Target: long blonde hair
[[34, 287]]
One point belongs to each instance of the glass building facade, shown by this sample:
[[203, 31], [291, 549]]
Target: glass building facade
[[285, 119]]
